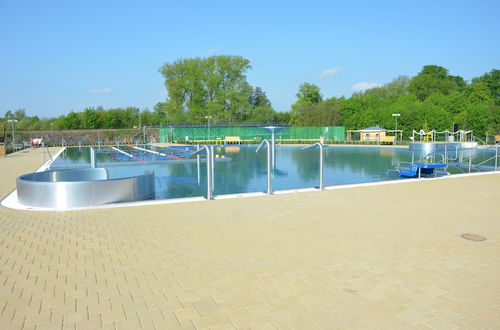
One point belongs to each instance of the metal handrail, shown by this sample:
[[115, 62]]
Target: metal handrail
[[269, 165], [487, 160], [321, 172], [446, 153], [476, 138], [209, 169], [48, 152]]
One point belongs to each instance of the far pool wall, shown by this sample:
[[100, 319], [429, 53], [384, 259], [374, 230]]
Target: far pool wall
[[87, 136]]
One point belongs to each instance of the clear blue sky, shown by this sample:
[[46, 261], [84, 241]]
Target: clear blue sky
[[58, 56]]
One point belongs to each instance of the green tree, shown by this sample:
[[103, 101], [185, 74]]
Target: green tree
[[72, 121], [308, 94], [259, 98], [91, 119], [215, 86], [160, 113], [397, 88], [326, 113], [261, 114], [433, 78], [477, 118], [492, 80], [20, 114]]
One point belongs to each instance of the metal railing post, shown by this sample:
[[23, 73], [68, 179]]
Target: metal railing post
[[269, 189]]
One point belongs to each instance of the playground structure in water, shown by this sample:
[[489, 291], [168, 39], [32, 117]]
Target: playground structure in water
[[444, 158], [419, 168], [432, 140]]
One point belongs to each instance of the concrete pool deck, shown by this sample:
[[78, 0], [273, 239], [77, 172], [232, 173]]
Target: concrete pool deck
[[385, 257]]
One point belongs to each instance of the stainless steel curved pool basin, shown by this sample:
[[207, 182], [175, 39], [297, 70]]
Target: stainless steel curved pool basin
[[76, 188]]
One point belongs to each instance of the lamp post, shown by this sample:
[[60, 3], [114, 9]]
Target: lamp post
[[396, 115], [139, 113], [13, 121], [208, 125]]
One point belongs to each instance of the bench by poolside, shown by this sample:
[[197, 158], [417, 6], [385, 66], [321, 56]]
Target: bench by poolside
[[387, 139], [232, 139]]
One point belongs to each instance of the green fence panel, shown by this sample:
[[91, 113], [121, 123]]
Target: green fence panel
[[182, 134]]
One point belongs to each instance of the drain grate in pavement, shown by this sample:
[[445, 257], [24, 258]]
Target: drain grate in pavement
[[473, 237]]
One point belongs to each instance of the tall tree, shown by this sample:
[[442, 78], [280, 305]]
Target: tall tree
[[20, 114], [492, 80], [90, 119], [259, 98], [72, 121], [307, 95], [433, 78], [215, 86]]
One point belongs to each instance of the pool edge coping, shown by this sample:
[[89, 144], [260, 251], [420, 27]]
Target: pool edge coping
[[11, 199]]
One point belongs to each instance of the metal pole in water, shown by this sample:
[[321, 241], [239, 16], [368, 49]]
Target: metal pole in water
[[269, 190], [269, 170], [92, 158], [198, 163], [446, 154], [470, 163], [496, 158], [209, 170], [212, 161], [321, 173], [273, 145], [209, 174]]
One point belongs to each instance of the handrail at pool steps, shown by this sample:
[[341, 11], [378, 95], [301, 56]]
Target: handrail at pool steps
[[46, 151], [266, 142], [321, 172], [208, 152], [487, 160]]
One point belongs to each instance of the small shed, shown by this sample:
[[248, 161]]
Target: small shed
[[372, 134]]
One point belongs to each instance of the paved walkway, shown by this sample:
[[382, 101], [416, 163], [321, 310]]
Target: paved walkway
[[386, 257]]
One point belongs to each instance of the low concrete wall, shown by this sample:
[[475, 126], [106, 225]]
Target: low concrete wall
[[89, 137]]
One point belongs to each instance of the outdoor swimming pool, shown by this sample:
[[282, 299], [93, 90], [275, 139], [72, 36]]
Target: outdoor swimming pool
[[242, 170]]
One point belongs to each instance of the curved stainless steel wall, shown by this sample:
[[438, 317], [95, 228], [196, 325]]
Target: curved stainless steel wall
[[433, 146], [81, 188]]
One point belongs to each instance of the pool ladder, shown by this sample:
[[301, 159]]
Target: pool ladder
[[209, 151]]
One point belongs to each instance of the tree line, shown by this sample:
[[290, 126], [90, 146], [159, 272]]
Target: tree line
[[433, 99], [215, 89]]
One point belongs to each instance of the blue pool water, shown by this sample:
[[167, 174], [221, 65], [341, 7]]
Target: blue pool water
[[243, 170]]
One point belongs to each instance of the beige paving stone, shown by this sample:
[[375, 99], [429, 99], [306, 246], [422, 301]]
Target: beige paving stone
[[387, 257]]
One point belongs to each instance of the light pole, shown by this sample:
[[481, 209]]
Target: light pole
[[139, 113], [13, 121], [208, 125], [396, 115]]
